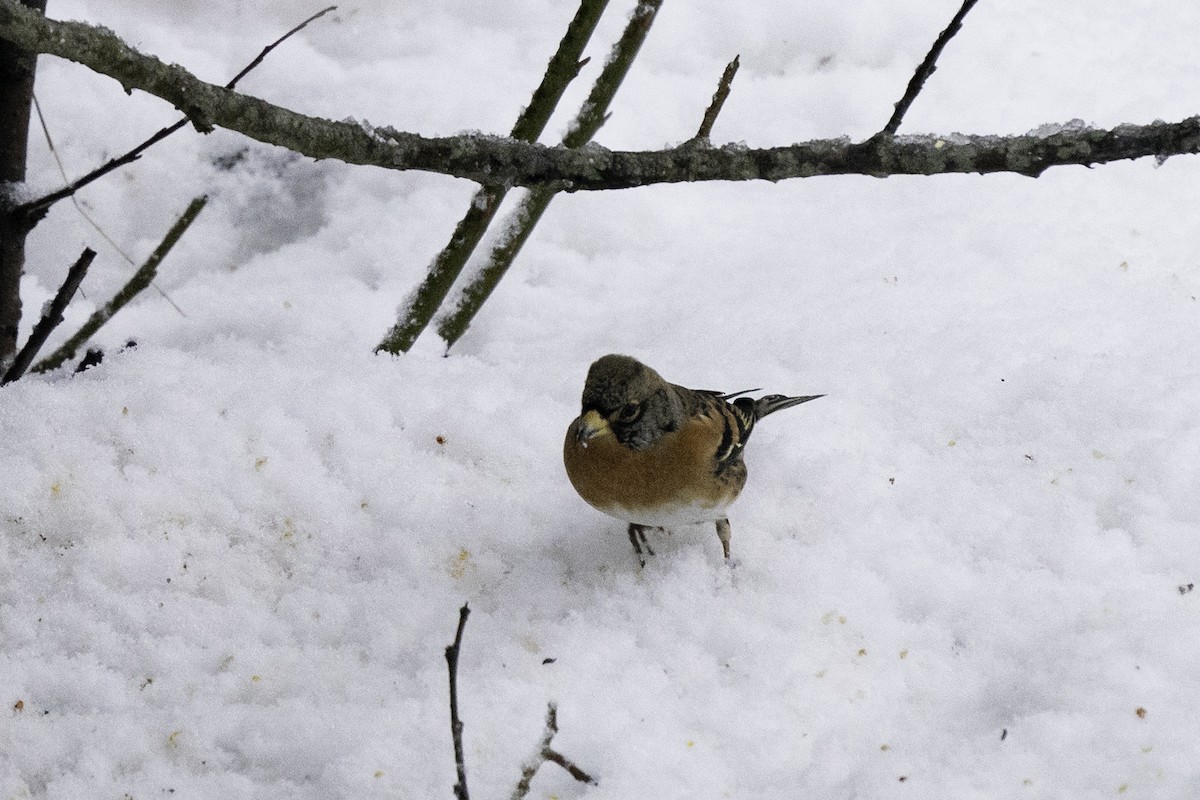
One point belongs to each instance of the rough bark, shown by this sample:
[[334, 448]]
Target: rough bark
[[499, 160]]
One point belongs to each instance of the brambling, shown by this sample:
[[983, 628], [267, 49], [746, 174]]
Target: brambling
[[659, 455]]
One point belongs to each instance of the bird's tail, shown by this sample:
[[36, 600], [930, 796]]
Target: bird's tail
[[777, 402]]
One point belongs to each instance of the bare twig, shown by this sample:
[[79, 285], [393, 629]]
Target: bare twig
[[51, 318], [79, 208], [592, 115], [259, 58], [925, 69], [140, 280], [563, 68], [456, 725], [718, 100], [35, 209], [547, 753]]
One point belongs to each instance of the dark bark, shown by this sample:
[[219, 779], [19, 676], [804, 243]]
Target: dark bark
[[51, 319], [17, 70]]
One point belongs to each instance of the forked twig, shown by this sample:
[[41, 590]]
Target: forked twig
[[547, 753], [140, 280], [51, 319], [35, 209], [456, 725], [718, 100], [925, 70]]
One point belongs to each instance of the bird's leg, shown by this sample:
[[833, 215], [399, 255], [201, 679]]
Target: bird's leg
[[637, 536], [723, 533]]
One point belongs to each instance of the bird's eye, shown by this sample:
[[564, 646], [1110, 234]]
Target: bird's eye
[[629, 412]]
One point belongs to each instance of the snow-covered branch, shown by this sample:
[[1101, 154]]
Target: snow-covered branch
[[500, 160]]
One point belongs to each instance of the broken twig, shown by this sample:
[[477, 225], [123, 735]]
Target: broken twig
[[51, 318]]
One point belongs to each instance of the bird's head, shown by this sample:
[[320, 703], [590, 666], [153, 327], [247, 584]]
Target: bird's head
[[624, 397]]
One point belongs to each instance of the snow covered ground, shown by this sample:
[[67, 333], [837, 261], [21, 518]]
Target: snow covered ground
[[231, 557]]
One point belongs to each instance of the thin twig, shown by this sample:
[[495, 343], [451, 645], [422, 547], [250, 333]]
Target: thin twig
[[547, 753], [718, 100], [592, 115], [140, 280], [35, 209], [259, 58], [925, 70], [544, 753], [563, 68], [79, 208], [51, 318], [456, 725]]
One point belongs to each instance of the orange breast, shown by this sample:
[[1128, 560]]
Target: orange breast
[[673, 480]]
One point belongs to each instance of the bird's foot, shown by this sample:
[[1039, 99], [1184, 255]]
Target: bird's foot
[[723, 533], [637, 537]]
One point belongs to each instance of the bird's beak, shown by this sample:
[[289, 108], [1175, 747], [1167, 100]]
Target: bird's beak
[[591, 425]]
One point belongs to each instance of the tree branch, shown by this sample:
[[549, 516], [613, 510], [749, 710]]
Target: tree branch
[[495, 160], [925, 69], [51, 318]]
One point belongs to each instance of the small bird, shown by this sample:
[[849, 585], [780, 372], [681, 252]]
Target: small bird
[[658, 455]]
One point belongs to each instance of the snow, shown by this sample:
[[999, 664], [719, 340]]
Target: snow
[[232, 555]]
